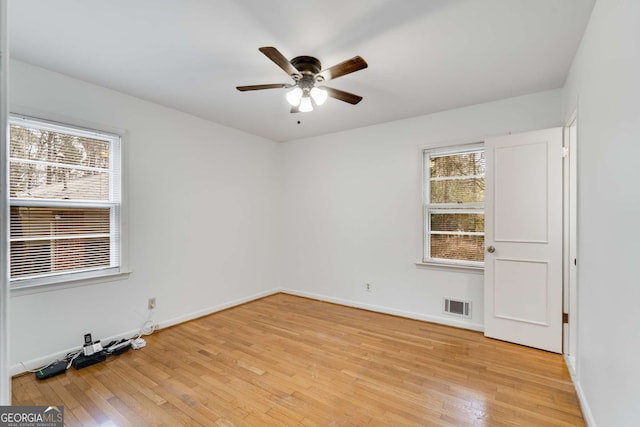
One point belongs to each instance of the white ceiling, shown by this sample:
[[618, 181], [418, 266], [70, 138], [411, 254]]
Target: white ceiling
[[424, 55]]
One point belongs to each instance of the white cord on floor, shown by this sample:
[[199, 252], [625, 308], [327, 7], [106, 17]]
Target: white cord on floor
[[73, 358], [148, 327]]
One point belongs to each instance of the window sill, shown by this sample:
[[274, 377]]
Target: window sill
[[450, 267], [58, 283]]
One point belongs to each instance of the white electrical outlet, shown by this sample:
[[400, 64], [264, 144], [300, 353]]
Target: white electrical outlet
[[152, 303]]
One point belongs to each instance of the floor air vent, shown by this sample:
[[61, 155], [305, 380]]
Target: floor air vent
[[457, 307]]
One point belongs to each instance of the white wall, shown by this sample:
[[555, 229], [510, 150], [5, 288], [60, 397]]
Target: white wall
[[604, 83], [204, 203], [352, 209]]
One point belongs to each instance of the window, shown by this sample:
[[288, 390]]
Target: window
[[453, 206], [64, 197]]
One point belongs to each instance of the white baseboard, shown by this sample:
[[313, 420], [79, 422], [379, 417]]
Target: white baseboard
[[42, 361], [216, 308], [387, 310], [584, 404]]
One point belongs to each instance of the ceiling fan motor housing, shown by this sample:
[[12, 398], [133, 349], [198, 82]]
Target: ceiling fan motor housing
[[307, 64], [309, 67]]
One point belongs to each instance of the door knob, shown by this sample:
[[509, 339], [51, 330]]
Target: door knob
[[491, 249]]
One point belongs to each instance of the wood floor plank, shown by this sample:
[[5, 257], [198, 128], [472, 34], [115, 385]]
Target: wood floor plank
[[286, 361]]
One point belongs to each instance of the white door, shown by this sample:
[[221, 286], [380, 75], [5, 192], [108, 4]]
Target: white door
[[523, 239]]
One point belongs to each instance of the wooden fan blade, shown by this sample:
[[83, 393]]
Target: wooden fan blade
[[279, 59], [346, 67], [260, 87], [342, 95]]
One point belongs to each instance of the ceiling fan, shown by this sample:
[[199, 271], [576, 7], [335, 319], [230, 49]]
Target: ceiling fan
[[307, 74]]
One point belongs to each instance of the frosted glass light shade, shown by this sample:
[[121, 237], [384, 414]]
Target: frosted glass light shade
[[319, 95], [305, 104], [294, 96]]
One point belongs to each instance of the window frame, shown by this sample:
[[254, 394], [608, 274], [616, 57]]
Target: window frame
[[119, 237], [427, 207]]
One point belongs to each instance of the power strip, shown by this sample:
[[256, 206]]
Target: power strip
[[91, 354], [120, 347], [83, 361], [51, 370]]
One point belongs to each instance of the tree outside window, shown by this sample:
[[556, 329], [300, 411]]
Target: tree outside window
[[64, 200], [454, 205]]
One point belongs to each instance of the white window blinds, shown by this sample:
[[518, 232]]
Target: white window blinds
[[65, 200], [454, 205]]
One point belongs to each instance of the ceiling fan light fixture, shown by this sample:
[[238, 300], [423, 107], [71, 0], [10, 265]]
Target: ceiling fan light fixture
[[294, 96], [305, 104], [307, 72], [319, 95]]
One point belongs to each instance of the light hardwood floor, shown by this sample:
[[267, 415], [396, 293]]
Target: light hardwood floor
[[287, 361]]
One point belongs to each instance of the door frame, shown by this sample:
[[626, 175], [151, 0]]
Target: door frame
[[570, 239]]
